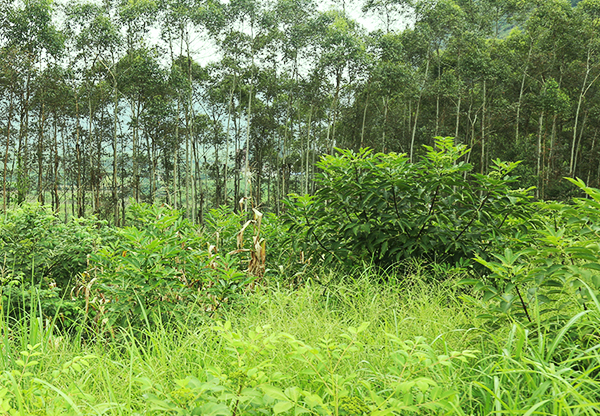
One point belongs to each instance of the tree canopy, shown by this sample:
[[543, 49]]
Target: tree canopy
[[198, 104]]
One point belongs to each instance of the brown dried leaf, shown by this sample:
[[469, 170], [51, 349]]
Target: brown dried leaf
[[240, 236]]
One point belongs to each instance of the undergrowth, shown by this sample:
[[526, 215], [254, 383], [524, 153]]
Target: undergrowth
[[330, 347]]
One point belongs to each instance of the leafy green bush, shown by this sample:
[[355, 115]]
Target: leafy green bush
[[159, 267], [37, 247], [39, 251], [381, 208], [156, 264], [559, 268]]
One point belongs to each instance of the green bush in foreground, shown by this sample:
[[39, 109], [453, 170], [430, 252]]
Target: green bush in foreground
[[37, 248], [159, 268]]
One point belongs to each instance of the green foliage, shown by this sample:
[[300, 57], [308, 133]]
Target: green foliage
[[37, 247], [414, 379], [40, 251], [162, 265], [559, 268], [381, 208], [292, 352], [535, 373], [155, 266], [24, 393]]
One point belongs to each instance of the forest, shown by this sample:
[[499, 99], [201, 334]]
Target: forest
[[365, 207], [200, 104]]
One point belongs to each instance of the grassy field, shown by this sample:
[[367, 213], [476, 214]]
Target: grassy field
[[306, 351]]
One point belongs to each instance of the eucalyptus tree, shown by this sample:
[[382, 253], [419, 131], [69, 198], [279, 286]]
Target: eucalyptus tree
[[588, 24], [7, 89], [173, 28], [137, 17], [552, 101], [296, 57], [184, 23], [142, 79], [242, 39], [94, 47], [390, 12], [47, 104], [11, 68], [540, 54], [393, 81], [31, 34], [438, 21], [341, 54]]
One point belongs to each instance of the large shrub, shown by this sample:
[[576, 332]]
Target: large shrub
[[37, 247], [41, 257], [381, 208], [163, 265]]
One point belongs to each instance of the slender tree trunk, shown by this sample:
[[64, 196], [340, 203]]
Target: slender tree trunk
[[247, 165], [22, 151], [176, 154], [93, 178], [521, 91], [187, 162], [151, 161], [364, 119], [591, 157], [135, 149], [286, 133], [338, 81], [65, 172], [55, 164], [574, 142], [6, 150], [483, 128], [539, 156], [308, 149], [238, 166], [579, 142], [458, 107], [584, 89], [437, 98], [80, 207], [190, 129], [386, 101], [115, 198], [230, 109], [414, 130], [40, 156]]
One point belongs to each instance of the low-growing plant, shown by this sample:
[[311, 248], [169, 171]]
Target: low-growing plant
[[381, 208], [535, 373], [24, 393], [412, 381]]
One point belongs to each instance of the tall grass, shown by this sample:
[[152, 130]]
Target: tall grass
[[126, 372]]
